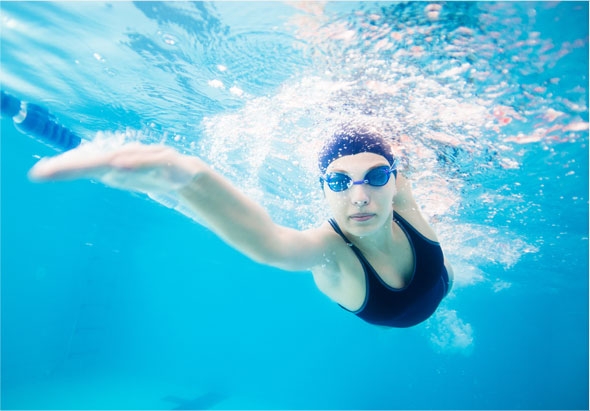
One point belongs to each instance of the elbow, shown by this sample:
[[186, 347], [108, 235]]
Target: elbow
[[451, 276], [255, 248], [272, 259], [262, 258], [275, 253]]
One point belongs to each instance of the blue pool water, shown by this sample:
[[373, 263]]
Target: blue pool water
[[112, 301]]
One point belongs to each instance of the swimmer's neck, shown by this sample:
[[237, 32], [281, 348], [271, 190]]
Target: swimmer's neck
[[381, 240]]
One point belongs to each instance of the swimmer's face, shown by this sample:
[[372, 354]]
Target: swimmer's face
[[361, 209]]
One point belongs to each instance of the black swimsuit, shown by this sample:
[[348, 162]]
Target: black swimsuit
[[408, 306]]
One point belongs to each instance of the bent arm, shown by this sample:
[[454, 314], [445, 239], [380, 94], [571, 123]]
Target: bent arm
[[405, 204]]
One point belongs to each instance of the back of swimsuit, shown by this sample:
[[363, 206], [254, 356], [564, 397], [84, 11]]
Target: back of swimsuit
[[408, 306]]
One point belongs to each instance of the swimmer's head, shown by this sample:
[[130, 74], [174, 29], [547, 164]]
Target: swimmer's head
[[350, 140]]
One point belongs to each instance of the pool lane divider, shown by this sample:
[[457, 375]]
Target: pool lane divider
[[37, 122]]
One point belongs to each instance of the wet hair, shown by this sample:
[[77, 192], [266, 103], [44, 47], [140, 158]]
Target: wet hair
[[350, 140]]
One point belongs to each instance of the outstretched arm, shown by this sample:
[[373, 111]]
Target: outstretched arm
[[234, 217], [247, 226]]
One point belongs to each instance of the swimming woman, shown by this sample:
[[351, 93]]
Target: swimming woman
[[377, 256]]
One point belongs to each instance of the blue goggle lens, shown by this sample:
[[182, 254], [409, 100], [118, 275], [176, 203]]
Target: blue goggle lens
[[377, 177]]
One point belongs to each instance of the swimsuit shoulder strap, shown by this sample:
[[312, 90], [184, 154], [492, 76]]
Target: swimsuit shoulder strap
[[364, 262], [411, 230], [336, 228]]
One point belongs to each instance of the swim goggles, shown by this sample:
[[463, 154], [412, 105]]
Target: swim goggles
[[376, 177]]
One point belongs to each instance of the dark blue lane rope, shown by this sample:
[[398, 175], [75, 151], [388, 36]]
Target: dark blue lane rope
[[37, 122]]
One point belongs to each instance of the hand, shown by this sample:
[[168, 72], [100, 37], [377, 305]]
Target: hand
[[133, 166]]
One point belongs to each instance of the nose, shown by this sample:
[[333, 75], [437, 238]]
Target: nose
[[359, 195]]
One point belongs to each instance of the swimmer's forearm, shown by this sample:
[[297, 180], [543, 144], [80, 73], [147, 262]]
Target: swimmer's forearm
[[235, 218], [405, 205], [403, 198]]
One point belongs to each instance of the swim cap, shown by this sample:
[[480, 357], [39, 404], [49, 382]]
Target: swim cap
[[349, 141]]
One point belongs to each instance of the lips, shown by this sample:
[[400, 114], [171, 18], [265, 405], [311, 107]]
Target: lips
[[362, 216]]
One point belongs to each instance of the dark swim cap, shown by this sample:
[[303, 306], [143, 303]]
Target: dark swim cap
[[349, 141]]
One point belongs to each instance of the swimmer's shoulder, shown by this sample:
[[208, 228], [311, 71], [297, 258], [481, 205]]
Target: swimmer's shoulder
[[337, 255], [332, 245]]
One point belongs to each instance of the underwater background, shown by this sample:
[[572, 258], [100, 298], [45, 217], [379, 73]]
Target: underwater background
[[111, 300]]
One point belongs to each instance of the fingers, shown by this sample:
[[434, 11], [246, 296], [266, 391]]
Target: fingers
[[67, 168], [86, 162]]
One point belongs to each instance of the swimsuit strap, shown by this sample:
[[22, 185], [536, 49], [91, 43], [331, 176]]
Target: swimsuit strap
[[336, 228], [364, 262]]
